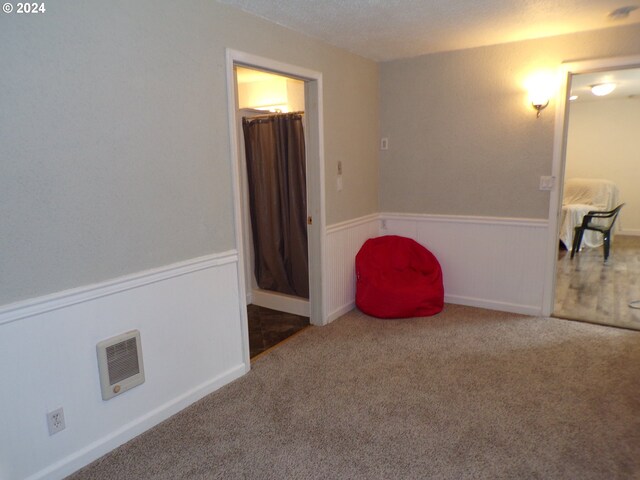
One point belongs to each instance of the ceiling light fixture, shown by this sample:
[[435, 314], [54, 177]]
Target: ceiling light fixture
[[573, 97], [602, 89]]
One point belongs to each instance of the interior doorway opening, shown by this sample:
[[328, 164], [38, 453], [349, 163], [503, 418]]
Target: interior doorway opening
[[596, 165], [310, 98], [272, 159]]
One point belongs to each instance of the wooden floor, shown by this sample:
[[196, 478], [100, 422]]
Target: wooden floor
[[591, 290]]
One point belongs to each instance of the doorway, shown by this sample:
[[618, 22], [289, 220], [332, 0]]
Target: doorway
[[271, 135], [598, 162], [311, 98], [274, 205]]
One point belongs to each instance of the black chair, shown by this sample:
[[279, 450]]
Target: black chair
[[603, 227]]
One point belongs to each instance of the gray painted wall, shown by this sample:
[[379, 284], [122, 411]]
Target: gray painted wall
[[114, 143], [462, 138]]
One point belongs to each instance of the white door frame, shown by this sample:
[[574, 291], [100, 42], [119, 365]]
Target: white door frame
[[315, 169], [567, 70]]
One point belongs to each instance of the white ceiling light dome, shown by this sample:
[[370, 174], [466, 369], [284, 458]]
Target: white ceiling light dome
[[602, 89]]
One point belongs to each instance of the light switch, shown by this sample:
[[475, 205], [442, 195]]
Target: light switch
[[384, 143], [339, 183], [547, 183]]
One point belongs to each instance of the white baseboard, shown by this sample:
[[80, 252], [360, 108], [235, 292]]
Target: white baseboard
[[458, 300], [97, 449], [488, 262], [341, 311], [190, 319], [493, 305]]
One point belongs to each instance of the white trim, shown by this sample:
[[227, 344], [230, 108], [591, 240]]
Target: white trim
[[39, 305], [454, 239], [264, 63], [487, 262], [336, 227], [171, 304], [314, 104], [565, 73], [460, 300], [237, 200], [315, 152], [95, 450], [280, 301], [504, 221], [341, 311], [344, 240], [493, 305]]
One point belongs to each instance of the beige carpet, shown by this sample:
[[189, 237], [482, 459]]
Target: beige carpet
[[467, 394]]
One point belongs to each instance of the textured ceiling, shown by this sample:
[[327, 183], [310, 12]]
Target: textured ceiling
[[389, 29]]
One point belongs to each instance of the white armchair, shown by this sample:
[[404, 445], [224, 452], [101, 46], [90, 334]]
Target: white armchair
[[580, 196]]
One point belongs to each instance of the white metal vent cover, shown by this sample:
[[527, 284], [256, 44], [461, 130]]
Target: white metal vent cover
[[120, 363]]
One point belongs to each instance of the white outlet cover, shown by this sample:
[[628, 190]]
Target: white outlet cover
[[55, 421]]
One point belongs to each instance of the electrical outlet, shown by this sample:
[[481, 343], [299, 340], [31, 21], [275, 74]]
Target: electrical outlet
[[384, 143], [55, 421]]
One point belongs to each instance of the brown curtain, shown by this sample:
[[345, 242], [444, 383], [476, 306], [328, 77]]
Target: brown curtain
[[274, 147]]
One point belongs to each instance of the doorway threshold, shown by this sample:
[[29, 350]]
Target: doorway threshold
[[270, 328], [280, 301]]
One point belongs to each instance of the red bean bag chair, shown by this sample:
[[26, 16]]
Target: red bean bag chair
[[396, 277]]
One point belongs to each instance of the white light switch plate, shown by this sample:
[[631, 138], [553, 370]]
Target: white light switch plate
[[546, 183]]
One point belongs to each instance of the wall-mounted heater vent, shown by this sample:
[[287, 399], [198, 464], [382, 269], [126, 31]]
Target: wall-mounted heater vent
[[120, 363]]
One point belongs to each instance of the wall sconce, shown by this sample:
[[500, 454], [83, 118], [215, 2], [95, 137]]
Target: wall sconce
[[540, 87], [539, 105]]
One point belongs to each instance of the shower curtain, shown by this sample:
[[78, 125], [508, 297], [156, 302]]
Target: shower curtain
[[275, 153]]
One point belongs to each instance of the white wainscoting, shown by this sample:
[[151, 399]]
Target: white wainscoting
[[495, 263], [487, 262], [193, 340], [342, 244]]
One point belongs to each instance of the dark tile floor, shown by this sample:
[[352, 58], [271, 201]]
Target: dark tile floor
[[269, 327]]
